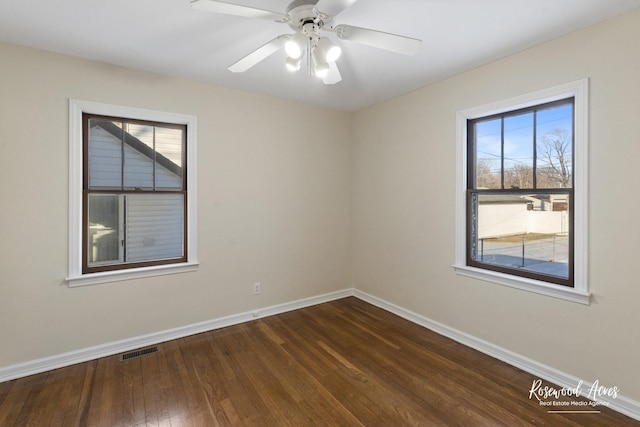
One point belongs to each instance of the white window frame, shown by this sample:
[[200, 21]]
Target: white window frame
[[76, 109], [579, 90]]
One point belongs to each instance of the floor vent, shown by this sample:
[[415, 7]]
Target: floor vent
[[138, 353]]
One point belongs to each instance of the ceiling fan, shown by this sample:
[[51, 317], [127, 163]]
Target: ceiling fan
[[308, 18]]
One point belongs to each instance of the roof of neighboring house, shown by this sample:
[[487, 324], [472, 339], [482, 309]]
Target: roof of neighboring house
[[139, 146]]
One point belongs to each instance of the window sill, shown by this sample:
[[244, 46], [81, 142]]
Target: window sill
[[535, 286], [136, 273]]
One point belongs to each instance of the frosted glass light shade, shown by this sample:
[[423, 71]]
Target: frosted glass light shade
[[320, 66], [295, 46], [293, 64], [329, 51]]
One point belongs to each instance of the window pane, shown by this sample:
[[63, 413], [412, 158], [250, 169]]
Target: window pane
[[555, 147], [104, 229], [138, 157], [105, 154], [169, 152], [528, 232], [488, 154], [518, 151], [155, 226]]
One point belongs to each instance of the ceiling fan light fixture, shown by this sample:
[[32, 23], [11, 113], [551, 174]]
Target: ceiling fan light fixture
[[321, 70], [308, 19], [293, 64], [320, 66], [329, 51], [296, 45]]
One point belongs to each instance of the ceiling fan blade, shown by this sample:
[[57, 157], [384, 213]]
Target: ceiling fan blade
[[379, 39], [333, 7], [236, 10], [260, 54], [333, 76]]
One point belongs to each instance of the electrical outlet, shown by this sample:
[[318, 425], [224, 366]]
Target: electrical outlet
[[256, 288]]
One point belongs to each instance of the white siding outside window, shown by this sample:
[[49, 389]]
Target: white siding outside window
[[154, 225]]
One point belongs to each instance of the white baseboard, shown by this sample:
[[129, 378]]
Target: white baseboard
[[91, 353], [621, 403]]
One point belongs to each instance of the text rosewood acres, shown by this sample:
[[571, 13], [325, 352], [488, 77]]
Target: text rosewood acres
[[546, 392]]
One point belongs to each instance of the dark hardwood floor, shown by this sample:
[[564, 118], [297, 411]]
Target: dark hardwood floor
[[343, 363]]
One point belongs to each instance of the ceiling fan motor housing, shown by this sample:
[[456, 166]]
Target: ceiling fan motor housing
[[301, 13]]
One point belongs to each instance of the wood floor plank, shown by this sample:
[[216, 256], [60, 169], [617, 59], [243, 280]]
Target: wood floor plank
[[152, 390], [238, 404], [103, 409], [64, 402], [86, 390], [248, 370], [133, 399], [344, 363], [191, 405], [20, 402], [203, 364]]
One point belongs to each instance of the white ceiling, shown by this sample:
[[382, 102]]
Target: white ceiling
[[169, 37]]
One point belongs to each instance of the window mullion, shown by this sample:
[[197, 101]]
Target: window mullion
[[122, 208], [153, 161], [502, 153], [122, 155], [472, 155], [535, 148]]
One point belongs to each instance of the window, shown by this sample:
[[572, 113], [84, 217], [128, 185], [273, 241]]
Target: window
[[134, 190], [132, 193], [522, 192]]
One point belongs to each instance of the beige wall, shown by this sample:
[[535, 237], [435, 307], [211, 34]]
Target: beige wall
[[404, 208], [273, 206]]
